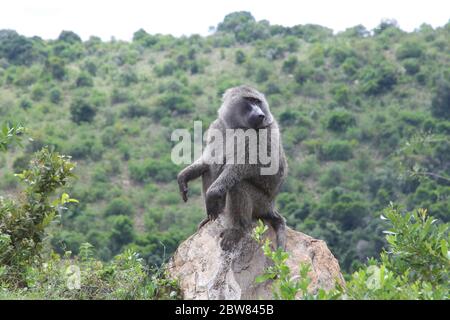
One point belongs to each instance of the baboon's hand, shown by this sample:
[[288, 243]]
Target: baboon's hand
[[183, 188]]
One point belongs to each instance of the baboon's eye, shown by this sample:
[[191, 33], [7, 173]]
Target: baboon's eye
[[247, 106], [253, 100]]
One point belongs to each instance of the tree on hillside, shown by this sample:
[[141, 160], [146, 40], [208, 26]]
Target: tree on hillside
[[69, 36], [82, 111], [16, 49], [440, 105]]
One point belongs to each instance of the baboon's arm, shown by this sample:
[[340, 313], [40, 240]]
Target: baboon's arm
[[189, 173]]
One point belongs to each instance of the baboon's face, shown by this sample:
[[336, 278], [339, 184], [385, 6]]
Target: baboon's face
[[246, 110], [249, 110]]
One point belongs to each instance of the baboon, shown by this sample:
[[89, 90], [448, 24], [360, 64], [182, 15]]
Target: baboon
[[239, 188]]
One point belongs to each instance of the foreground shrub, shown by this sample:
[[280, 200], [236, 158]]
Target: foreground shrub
[[83, 277], [10, 134], [23, 221], [415, 265]]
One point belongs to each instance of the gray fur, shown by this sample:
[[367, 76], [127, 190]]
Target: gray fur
[[239, 189]]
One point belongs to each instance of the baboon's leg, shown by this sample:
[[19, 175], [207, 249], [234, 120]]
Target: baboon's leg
[[207, 180], [279, 225], [239, 207], [230, 177], [221, 209], [263, 208]]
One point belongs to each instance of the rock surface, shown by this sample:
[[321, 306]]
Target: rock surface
[[205, 271]]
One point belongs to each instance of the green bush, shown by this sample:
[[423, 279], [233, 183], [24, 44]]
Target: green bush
[[143, 38], [294, 117], [340, 121], [341, 94], [440, 105], [349, 213], [85, 147], [84, 80], [25, 104], [167, 69], [111, 136], [239, 57], [67, 240], [125, 277], [56, 67], [55, 96], [135, 110], [161, 170], [244, 27], [119, 206], [69, 37], [303, 72], [332, 177], [412, 66], [82, 111], [340, 53], [10, 134], [122, 232], [262, 74], [290, 64], [336, 150], [128, 77], [308, 167], [351, 66], [173, 103], [414, 266], [119, 96], [23, 221], [90, 67], [378, 79], [17, 49], [37, 92], [410, 49]]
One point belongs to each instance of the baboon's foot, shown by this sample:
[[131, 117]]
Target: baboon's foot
[[281, 239], [230, 238]]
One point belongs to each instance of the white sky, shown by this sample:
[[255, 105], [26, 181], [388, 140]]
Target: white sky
[[121, 18]]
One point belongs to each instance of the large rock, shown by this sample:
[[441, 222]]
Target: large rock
[[205, 271]]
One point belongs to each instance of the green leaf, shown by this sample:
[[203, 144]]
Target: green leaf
[[263, 278], [444, 248]]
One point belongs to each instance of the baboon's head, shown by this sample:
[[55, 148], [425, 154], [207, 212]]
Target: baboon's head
[[245, 107]]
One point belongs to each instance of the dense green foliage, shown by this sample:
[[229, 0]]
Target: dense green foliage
[[414, 266], [23, 222], [364, 118], [28, 269]]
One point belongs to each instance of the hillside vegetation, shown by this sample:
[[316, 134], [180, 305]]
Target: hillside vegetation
[[365, 120]]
